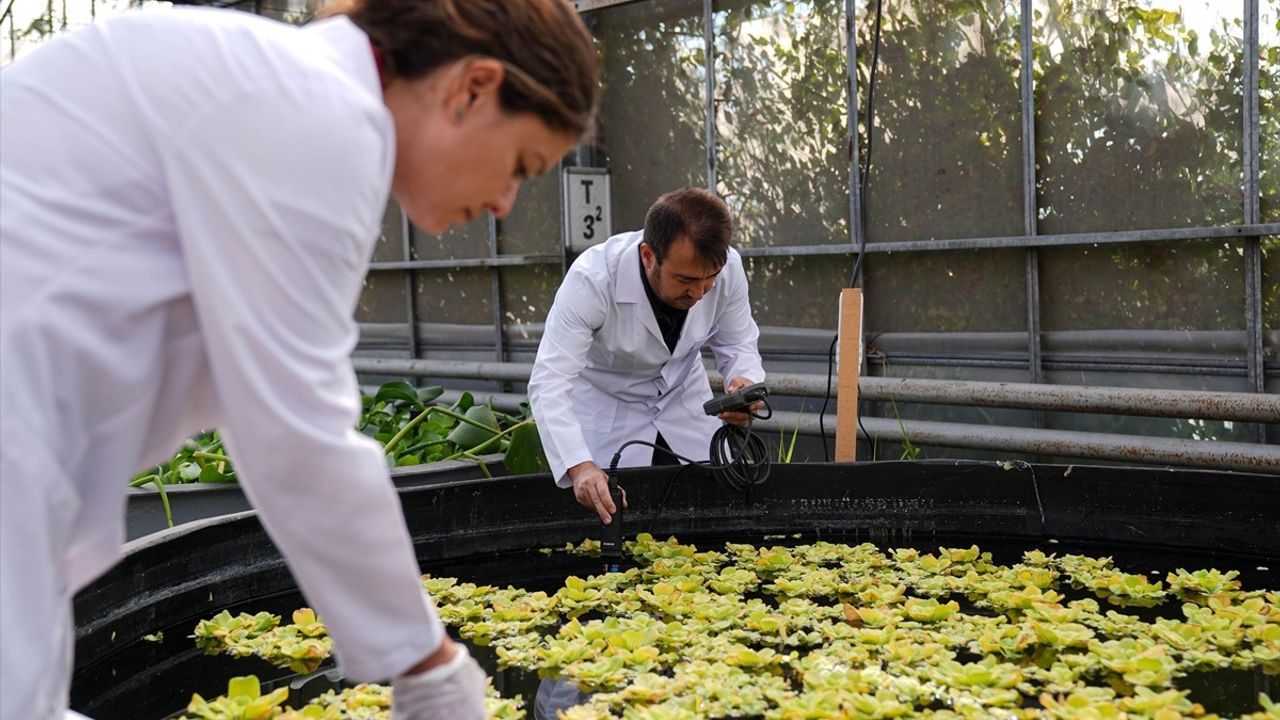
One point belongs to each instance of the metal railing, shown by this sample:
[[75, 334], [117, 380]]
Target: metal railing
[[1228, 406]]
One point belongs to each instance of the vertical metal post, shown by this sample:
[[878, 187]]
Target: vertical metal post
[[1252, 246], [410, 284], [495, 283], [564, 245], [1035, 370], [1250, 112], [851, 80], [708, 44]]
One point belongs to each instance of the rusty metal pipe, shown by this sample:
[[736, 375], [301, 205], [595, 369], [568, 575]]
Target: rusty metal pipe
[[1133, 449], [1199, 405]]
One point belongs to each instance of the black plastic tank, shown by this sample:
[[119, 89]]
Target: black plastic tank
[[492, 528]]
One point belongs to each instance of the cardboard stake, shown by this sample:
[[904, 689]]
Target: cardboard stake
[[849, 365]]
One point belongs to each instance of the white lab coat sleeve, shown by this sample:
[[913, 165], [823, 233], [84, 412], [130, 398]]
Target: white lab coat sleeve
[[735, 343], [277, 196], [578, 311]]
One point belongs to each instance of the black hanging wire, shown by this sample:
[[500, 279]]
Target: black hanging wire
[[855, 278]]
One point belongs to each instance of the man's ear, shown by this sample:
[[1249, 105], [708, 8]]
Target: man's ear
[[647, 256]]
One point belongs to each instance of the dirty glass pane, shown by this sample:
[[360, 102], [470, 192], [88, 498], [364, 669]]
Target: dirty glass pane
[[295, 12], [382, 300], [651, 132], [1271, 299], [947, 160], [1269, 108], [463, 295], [467, 241], [782, 161], [937, 292], [390, 246], [797, 292], [533, 227], [1157, 286], [527, 293], [1138, 114]]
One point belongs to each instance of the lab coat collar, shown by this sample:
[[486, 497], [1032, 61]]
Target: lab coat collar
[[352, 51], [630, 289]]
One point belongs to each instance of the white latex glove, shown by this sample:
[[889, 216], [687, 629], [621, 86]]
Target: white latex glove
[[452, 691]]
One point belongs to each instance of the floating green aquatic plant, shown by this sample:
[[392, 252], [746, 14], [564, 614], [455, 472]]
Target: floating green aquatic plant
[[244, 701], [836, 631]]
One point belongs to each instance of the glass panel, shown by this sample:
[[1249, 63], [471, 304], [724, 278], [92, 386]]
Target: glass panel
[[947, 160], [963, 291], [533, 227], [382, 300], [295, 12], [465, 241], [797, 292], [782, 161], [527, 293], [463, 295], [651, 133], [390, 245], [1269, 108], [1159, 286], [1138, 114]]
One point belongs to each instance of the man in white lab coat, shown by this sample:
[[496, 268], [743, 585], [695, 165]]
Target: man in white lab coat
[[620, 357]]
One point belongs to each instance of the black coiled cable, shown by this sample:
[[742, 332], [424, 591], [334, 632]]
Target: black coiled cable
[[738, 457]]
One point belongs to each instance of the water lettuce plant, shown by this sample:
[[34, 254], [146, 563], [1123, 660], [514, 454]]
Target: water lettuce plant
[[837, 631]]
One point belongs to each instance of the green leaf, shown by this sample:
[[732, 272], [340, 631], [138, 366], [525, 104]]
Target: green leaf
[[398, 391], [427, 394], [466, 402], [244, 687], [409, 459], [467, 436], [211, 474], [525, 456]]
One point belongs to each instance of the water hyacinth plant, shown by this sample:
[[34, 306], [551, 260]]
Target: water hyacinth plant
[[409, 423], [828, 630]]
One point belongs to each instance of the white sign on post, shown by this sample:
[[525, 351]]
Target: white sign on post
[[587, 211]]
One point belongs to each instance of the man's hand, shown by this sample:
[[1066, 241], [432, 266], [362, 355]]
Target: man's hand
[[449, 685], [739, 418], [591, 488]]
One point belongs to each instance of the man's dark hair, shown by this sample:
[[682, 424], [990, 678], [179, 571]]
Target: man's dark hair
[[696, 214]]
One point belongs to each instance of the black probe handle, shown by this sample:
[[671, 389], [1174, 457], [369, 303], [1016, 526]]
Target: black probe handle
[[611, 534]]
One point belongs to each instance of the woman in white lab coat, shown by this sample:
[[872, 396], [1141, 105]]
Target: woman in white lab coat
[[188, 201]]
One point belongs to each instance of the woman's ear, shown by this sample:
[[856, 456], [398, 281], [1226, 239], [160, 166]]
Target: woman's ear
[[482, 77], [472, 83]]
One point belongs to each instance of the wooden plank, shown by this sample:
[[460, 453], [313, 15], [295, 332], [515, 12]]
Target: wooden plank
[[849, 365]]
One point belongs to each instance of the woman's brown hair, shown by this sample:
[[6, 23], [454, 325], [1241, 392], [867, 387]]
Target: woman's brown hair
[[548, 53]]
